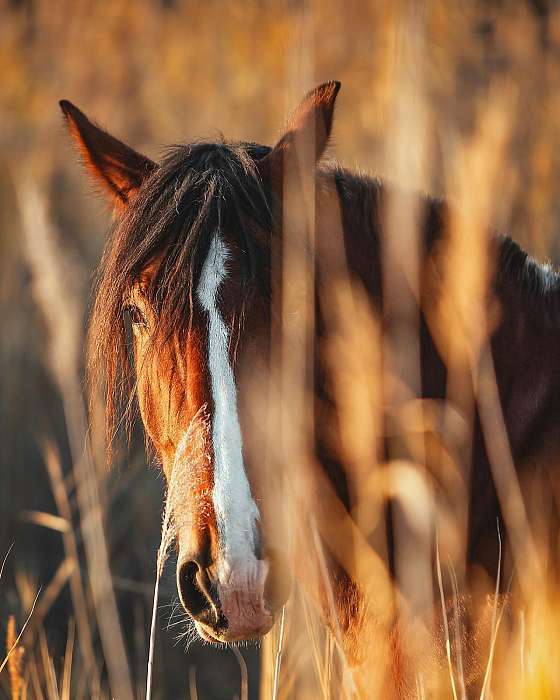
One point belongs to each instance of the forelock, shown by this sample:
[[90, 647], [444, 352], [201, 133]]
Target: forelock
[[195, 191]]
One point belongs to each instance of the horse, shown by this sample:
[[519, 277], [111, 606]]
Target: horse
[[190, 276]]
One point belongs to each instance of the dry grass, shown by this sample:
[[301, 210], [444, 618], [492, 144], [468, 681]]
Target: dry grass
[[433, 103]]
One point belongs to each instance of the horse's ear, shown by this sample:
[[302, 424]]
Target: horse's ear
[[118, 168], [309, 126]]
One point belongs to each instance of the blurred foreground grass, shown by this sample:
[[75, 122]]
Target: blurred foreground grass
[[461, 99]]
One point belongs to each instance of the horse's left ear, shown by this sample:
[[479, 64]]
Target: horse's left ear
[[118, 168], [309, 126]]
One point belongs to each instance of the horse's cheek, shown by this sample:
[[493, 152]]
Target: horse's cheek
[[150, 410]]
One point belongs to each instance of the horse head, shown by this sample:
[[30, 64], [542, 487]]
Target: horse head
[[187, 274]]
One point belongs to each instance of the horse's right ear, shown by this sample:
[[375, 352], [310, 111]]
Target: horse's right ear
[[309, 128], [119, 169]]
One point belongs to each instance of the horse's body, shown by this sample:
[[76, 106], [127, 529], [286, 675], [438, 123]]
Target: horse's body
[[192, 258]]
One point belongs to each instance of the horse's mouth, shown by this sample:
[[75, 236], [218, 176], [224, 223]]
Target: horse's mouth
[[227, 636], [206, 634]]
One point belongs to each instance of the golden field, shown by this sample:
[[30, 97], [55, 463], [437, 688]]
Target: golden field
[[460, 100]]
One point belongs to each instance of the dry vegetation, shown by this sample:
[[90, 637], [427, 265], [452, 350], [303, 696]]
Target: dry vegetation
[[460, 99]]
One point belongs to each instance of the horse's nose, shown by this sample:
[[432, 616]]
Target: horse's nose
[[227, 601], [195, 592], [232, 599]]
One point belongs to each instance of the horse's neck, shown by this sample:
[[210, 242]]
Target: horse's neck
[[526, 341], [526, 351]]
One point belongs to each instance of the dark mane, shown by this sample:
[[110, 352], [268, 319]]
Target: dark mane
[[194, 191], [361, 198], [532, 277]]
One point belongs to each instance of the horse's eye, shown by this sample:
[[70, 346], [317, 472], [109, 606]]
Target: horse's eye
[[136, 316]]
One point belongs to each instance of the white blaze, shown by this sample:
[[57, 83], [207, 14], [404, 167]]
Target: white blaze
[[236, 511]]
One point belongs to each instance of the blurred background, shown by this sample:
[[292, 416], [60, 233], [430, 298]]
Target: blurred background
[[156, 72]]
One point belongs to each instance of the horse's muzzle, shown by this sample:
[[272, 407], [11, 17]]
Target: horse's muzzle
[[228, 603]]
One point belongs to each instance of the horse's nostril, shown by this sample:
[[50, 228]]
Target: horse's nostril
[[195, 594]]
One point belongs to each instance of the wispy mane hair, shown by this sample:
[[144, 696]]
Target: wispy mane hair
[[196, 190]]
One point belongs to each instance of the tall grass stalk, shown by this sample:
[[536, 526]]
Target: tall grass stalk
[[14, 645], [5, 559], [495, 621], [177, 512], [278, 659], [445, 624], [63, 316]]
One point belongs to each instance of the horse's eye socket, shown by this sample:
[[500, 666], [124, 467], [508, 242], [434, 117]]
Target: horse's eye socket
[[136, 316]]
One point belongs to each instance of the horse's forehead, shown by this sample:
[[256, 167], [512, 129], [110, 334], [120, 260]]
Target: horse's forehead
[[139, 290]]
